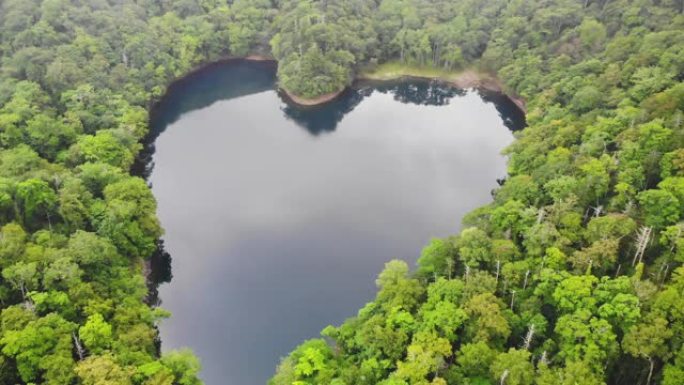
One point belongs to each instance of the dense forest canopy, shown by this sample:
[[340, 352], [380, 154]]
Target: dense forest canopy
[[572, 275]]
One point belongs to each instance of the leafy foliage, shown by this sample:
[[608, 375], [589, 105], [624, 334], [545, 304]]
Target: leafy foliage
[[571, 275]]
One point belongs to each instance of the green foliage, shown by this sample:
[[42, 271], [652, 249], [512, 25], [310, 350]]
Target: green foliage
[[437, 258], [396, 288], [103, 147], [475, 247], [660, 207], [673, 372], [102, 370], [486, 320], [127, 217], [42, 349], [592, 34], [648, 340], [474, 359], [308, 363], [445, 319], [76, 80], [541, 287], [96, 334], [317, 44], [325, 72], [37, 200], [183, 365], [513, 367]]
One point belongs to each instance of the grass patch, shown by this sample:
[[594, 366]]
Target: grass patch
[[393, 70]]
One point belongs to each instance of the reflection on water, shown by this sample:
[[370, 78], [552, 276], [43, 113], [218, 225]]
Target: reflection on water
[[423, 92], [159, 273], [224, 81], [322, 119], [278, 218]]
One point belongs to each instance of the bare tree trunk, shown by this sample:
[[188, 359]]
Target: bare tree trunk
[[543, 359], [597, 211], [504, 375], [650, 370], [540, 215], [498, 269], [528, 337], [679, 234], [450, 267], [642, 242], [79, 348], [664, 276], [28, 303]]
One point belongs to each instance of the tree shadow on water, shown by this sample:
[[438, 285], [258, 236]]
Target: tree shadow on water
[[200, 89], [158, 271], [324, 118], [420, 91], [511, 115]]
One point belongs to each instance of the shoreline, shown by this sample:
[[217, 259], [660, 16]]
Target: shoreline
[[392, 71], [304, 102], [222, 60], [467, 78]]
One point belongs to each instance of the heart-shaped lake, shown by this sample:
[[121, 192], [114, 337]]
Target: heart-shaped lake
[[278, 219]]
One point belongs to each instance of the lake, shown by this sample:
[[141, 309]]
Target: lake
[[279, 218]]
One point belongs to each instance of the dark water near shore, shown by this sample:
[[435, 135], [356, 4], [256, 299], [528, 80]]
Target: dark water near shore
[[278, 218]]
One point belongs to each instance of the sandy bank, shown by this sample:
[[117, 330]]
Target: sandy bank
[[311, 102], [462, 79]]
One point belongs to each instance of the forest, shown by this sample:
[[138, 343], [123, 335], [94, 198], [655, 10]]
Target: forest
[[571, 275]]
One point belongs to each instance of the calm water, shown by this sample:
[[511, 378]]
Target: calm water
[[278, 219]]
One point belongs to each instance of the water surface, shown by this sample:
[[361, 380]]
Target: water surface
[[278, 219]]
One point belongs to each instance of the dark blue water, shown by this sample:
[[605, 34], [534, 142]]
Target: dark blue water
[[279, 218]]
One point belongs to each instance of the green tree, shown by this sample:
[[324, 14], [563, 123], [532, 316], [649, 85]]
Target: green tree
[[474, 247], [42, 349], [102, 147], [48, 135], [38, 201], [102, 370], [660, 208], [486, 319], [424, 356], [96, 334], [445, 319], [513, 368], [396, 288], [475, 359], [592, 34], [127, 217], [184, 366], [648, 341], [674, 372], [437, 258]]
